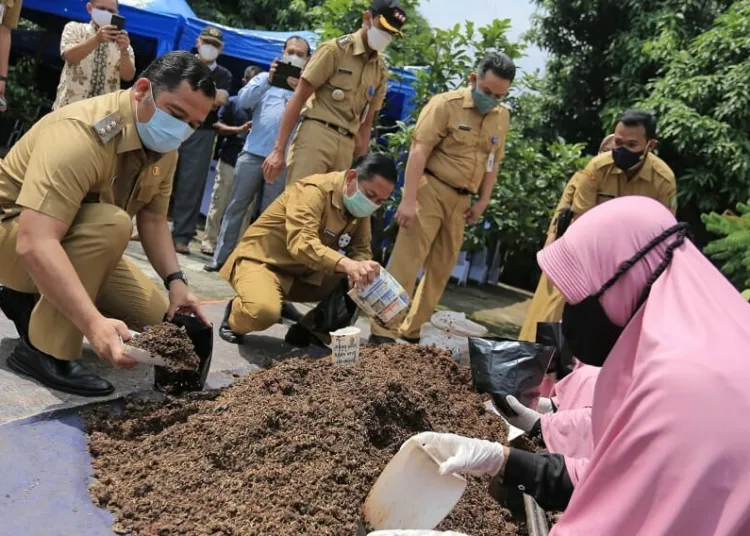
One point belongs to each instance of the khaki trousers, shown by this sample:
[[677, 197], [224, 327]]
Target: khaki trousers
[[94, 244], [220, 195], [433, 240], [260, 291], [317, 149], [546, 306]]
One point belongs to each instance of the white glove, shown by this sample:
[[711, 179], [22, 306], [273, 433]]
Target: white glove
[[396, 532], [463, 455], [525, 418], [545, 405]]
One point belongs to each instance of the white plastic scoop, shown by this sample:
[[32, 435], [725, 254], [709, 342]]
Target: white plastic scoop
[[147, 358], [410, 493]]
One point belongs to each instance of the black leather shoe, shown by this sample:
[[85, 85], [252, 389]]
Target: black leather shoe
[[290, 312], [377, 340], [17, 306], [212, 267], [225, 332], [66, 376], [411, 341]]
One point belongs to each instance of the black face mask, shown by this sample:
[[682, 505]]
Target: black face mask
[[626, 159], [588, 331]]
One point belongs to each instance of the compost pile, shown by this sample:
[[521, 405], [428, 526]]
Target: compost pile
[[169, 341], [286, 451]]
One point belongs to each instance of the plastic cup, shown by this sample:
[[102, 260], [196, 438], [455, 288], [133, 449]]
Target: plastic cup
[[345, 346]]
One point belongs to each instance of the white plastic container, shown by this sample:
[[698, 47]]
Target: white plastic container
[[451, 330], [345, 345], [384, 298], [410, 493]]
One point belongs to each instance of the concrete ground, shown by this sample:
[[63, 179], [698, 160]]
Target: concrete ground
[[501, 309]]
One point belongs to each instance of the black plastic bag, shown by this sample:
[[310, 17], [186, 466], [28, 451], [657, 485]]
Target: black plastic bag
[[502, 367], [180, 381], [550, 334], [334, 312]]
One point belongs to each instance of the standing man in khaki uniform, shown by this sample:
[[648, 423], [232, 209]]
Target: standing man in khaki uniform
[[456, 150], [315, 233], [629, 168], [344, 86], [10, 12], [68, 191]]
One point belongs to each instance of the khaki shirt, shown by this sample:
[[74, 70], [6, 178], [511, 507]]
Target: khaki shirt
[[77, 79], [86, 152], [306, 231], [466, 144], [348, 82], [601, 181], [10, 13]]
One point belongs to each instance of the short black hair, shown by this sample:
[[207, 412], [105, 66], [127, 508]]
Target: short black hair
[[639, 118], [167, 72], [370, 165], [299, 38], [500, 64], [252, 71]]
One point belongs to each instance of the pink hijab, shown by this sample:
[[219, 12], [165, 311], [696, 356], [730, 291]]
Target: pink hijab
[[568, 431], [671, 445]]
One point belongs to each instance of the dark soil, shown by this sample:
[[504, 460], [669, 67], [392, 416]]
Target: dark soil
[[287, 451], [170, 342]]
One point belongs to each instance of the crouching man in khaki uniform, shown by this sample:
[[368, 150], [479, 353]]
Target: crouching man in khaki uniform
[[315, 233], [68, 191]]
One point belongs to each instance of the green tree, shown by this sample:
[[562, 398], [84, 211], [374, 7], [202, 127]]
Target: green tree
[[733, 249], [257, 14], [604, 52], [703, 105]]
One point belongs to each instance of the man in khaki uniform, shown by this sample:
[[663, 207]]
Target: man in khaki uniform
[[313, 234], [10, 12], [456, 150], [344, 86], [628, 168], [68, 191]]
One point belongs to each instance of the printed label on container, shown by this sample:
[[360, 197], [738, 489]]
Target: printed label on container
[[384, 298]]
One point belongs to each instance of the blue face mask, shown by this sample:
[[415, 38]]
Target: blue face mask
[[163, 133], [483, 103], [359, 205]]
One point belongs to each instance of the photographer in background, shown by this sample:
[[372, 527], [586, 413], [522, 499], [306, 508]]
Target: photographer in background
[[97, 56]]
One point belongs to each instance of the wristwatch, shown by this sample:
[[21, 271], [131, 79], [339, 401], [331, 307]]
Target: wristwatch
[[174, 276], [3, 78]]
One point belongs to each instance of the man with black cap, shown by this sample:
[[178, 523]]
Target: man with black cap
[[196, 152], [341, 89]]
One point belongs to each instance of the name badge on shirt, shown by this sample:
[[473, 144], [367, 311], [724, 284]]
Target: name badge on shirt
[[341, 70], [330, 233], [465, 128]]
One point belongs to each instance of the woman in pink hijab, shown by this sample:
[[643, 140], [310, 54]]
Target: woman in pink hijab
[[671, 455]]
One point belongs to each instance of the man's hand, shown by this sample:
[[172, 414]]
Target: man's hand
[[123, 41], [272, 70], [273, 165], [475, 211], [292, 81], [107, 33], [184, 302], [2, 88], [246, 127], [106, 336], [407, 211], [361, 273]]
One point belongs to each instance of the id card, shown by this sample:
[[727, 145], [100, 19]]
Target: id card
[[490, 162]]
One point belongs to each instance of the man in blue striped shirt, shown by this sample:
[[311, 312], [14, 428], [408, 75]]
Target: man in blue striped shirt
[[267, 103]]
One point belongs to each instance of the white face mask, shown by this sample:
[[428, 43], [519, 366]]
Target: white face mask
[[378, 39], [208, 52], [294, 60], [101, 17]]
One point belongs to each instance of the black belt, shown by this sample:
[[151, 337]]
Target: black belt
[[460, 191], [340, 130]]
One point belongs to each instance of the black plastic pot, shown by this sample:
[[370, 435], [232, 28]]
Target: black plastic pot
[[180, 381]]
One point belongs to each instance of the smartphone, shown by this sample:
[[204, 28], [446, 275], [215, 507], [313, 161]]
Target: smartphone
[[284, 71], [118, 22]]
